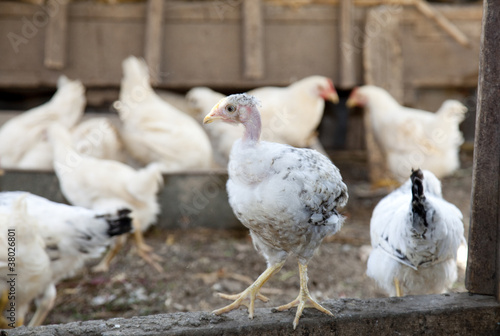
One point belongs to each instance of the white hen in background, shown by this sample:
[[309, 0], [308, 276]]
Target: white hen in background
[[222, 135], [99, 138], [105, 186], [28, 131], [411, 138], [291, 114], [155, 131], [415, 236], [53, 242]]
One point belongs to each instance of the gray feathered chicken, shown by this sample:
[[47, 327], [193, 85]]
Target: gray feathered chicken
[[287, 197]]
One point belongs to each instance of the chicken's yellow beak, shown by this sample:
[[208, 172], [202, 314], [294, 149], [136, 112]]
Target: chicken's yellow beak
[[213, 115], [333, 97], [209, 118], [350, 103]]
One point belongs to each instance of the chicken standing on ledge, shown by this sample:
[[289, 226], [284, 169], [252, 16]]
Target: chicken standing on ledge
[[415, 236], [410, 137], [287, 197]]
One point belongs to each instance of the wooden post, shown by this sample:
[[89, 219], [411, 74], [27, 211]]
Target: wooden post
[[55, 38], [483, 266], [347, 64], [253, 39], [383, 66], [153, 39]]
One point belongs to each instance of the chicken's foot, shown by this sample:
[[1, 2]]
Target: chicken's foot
[[144, 250], [103, 265], [304, 299], [251, 293]]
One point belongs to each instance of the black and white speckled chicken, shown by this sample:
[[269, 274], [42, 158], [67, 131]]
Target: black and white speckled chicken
[[53, 242], [287, 197], [415, 236]]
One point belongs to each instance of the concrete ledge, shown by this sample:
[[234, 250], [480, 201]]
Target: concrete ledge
[[449, 314]]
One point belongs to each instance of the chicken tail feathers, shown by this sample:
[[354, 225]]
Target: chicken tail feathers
[[418, 202], [119, 223]]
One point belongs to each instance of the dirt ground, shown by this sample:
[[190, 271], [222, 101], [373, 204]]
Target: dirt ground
[[200, 263]]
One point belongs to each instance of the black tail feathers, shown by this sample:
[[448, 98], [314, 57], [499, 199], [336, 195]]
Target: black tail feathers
[[119, 223], [418, 197]]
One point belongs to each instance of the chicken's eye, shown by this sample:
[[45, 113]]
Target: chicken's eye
[[230, 108]]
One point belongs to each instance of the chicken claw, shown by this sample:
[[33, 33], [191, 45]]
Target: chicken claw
[[304, 300], [251, 293]]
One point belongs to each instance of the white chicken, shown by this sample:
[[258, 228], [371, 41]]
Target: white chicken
[[99, 138], [415, 235], [29, 130], [155, 131], [53, 241], [105, 186], [222, 135], [291, 114], [412, 138], [24, 265], [287, 197]]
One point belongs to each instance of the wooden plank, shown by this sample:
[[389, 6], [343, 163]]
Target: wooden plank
[[56, 37], [431, 13], [253, 39], [383, 64], [483, 266], [153, 39], [98, 11], [347, 65]]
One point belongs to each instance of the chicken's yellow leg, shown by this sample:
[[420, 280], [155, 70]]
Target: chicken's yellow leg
[[139, 238], [251, 292], [4, 300], [103, 265], [44, 305], [143, 249], [304, 299], [20, 322], [397, 284]]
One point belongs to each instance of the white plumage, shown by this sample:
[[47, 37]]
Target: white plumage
[[415, 236], [291, 114], [53, 241], [413, 138], [29, 130], [155, 131], [106, 185], [99, 138], [24, 266], [287, 197]]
